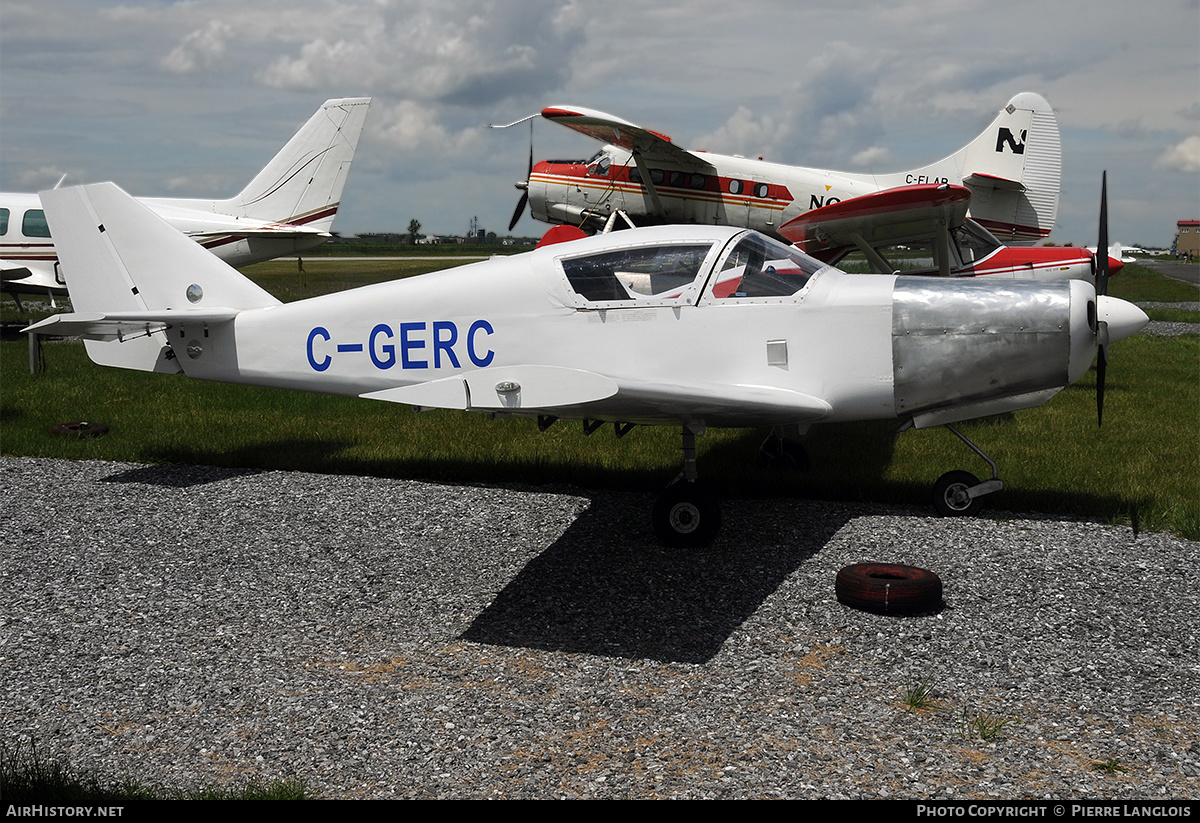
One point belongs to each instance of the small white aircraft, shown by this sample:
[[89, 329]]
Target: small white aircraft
[[692, 326], [1011, 172], [287, 208]]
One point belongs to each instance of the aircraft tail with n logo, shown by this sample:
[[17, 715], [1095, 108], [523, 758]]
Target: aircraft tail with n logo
[[1013, 169]]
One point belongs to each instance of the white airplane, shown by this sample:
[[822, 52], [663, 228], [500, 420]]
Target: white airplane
[[1012, 172], [692, 326], [1007, 178], [287, 208]]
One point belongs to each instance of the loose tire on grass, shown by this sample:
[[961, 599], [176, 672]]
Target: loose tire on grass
[[887, 588]]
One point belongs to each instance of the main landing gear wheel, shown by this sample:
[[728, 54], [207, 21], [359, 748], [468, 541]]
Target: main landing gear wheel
[[887, 588], [950, 494], [686, 516]]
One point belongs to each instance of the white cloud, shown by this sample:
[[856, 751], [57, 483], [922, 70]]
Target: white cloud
[[743, 133], [201, 48], [1184, 156], [413, 127], [871, 157]]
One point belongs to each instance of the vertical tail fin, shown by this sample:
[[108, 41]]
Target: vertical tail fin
[[1013, 169], [131, 275], [303, 183], [119, 256]]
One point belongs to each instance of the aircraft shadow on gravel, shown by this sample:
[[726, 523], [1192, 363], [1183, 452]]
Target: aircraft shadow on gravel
[[607, 588]]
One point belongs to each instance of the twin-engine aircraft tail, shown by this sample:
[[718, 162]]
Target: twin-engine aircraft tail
[[302, 185], [1013, 169], [132, 277]]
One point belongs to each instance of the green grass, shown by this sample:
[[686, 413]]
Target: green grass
[[283, 279], [1140, 284], [986, 727], [920, 697], [1142, 467], [1173, 315], [27, 777]]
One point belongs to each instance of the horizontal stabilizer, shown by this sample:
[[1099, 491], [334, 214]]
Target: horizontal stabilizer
[[988, 181], [125, 325]]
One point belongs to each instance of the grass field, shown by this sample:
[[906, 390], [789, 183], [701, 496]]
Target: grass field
[[1143, 465]]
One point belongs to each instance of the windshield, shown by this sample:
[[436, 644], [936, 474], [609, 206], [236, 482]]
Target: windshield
[[974, 242], [637, 275], [761, 267]]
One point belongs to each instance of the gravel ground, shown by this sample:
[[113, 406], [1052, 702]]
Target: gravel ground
[[1163, 328], [389, 638]]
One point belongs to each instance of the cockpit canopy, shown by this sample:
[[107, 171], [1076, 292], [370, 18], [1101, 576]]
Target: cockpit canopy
[[749, 266]]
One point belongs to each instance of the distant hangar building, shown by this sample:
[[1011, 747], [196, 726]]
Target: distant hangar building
[[1187, 239]]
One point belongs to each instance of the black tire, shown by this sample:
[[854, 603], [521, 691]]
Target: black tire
[[686, 516], [950, 495], [887, 588]]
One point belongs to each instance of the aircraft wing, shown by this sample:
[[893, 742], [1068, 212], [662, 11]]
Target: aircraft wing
[[904, 214], [532, 388], [125, 325], [650, 145], [505, 387], [12, 270]]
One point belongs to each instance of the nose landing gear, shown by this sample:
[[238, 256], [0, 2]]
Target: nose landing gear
[[958, 493], [686, 514]]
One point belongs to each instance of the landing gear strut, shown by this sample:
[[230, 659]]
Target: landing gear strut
[[958, 493], [686, 515]]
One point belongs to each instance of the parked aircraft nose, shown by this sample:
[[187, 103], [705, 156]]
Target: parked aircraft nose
[[1123, 318]]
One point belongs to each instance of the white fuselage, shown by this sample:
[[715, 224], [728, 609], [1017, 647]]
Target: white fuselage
[[835, 350]]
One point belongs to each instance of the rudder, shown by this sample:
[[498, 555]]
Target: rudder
[[1013, 169]]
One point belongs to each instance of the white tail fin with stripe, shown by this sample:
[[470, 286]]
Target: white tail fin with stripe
[[302, 185]]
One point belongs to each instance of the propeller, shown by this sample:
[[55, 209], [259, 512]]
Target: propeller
[[1101, 290], [524, 187]]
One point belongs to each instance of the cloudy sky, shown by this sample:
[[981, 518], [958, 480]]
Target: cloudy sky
[[191, 98]]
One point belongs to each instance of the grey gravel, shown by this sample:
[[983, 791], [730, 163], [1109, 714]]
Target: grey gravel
[[387, 638], [1164, 328]]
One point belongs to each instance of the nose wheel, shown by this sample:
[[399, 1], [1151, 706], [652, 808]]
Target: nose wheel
[[686, 515], [951, 494], [959, 493]]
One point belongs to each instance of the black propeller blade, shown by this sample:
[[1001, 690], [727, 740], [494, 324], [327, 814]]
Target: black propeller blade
[[525, 186], [1102, 248], [1101, 289], [520, 209]]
